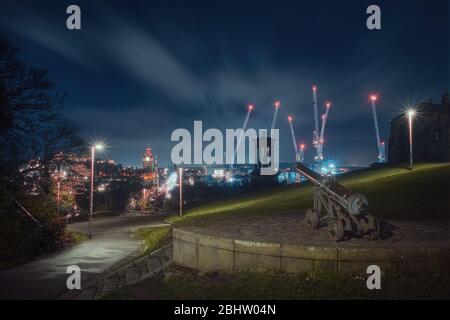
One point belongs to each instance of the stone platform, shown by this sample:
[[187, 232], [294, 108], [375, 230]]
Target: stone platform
[[283, 242]]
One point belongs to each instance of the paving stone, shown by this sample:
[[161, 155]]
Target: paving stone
[[110, 284], [132, 275], [122, 275], [290, 228]]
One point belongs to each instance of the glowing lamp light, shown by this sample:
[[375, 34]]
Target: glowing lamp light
[[98, 146], [328, 104], [289, 118], [147, 159], [302, 146], [277, 104], [250, 107], [411, 113], [373, 97], [314, 87]]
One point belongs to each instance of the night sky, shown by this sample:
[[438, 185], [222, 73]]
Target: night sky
[[137, 70]]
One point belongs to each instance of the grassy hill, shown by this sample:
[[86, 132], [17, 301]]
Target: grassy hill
[[394, 193]]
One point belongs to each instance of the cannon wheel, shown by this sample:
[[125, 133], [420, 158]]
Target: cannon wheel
[[312, 219], [337, 231], [375, 234]]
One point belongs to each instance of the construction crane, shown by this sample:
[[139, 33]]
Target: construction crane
[[249, 111], [275, 114], [301, 153], [322, 130], [380, 144], [244, 126], [316, 138], [293, 138]]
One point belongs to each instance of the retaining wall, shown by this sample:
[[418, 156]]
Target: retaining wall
[[208, 250]]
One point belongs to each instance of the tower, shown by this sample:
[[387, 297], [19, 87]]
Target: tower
[[148, 162]]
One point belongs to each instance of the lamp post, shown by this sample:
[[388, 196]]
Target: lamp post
[[411, 114], [180, 170], [58, 189], [144, 202], [91, 205], [58, 194]]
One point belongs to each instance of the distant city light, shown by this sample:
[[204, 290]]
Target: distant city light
[[172, 181], [218, 173]]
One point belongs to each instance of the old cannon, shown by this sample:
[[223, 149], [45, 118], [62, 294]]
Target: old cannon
[[344, 211]]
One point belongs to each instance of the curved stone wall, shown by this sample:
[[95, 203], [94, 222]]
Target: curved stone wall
[[209, 250]]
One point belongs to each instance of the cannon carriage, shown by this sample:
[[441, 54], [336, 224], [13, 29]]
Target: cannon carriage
[[341, 209]]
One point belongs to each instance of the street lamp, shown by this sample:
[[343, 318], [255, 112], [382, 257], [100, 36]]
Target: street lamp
[[91, 205], [58, 195], [181, 190], [61, 175], [411, 113]]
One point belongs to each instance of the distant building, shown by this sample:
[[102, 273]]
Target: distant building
[[148, 160], [149, 167], [431, 133]]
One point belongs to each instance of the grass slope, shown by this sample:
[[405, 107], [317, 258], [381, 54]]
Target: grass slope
[[184, 284], [394, 193], [153, 237]]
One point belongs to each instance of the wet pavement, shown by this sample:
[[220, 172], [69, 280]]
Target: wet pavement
[[45, 278]]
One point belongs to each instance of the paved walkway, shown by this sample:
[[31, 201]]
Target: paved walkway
[[45, 278], [290, 228]]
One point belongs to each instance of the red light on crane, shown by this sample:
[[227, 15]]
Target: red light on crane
[[373, 97], [289, 118]]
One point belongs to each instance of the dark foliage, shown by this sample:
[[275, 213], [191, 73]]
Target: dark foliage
[[31, 127]]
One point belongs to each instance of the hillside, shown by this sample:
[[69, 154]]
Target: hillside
[[394, 193]]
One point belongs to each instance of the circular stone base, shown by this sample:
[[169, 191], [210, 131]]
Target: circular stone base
[[282, 242]]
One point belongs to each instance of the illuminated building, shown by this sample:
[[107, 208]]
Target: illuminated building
[[149, 174]]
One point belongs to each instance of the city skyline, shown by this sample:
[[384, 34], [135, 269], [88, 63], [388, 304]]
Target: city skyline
[[158, 67]]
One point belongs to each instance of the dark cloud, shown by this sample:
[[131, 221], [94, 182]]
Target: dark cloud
[[137, 71]]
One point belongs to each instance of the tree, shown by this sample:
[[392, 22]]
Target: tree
[[31, 128], [31, 124]]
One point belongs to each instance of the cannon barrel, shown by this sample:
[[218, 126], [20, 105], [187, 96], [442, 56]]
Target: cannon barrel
[[352, 202]]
